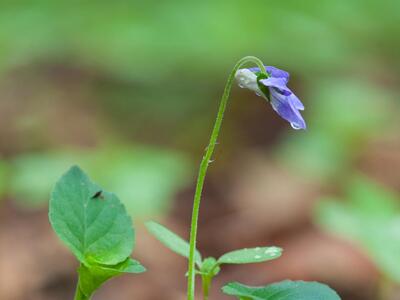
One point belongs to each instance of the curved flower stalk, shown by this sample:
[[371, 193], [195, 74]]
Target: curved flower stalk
[[268, 82]]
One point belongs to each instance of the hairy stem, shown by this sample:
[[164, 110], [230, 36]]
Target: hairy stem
[[204, 166]]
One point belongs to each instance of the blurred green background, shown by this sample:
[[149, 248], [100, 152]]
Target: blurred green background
[[129, 90]]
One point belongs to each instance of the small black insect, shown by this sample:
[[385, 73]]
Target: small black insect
[[98, 194]]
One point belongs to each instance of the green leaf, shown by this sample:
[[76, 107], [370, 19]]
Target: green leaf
[[93, 276], [210, 267], [128, 266], [370, 217], [251, 255], [90, 221], [172, 241], [284, 290]]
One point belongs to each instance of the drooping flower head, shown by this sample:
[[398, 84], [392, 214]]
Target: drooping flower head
[[273, 87]]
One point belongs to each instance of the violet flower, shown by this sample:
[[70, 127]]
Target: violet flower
[[273, 87]]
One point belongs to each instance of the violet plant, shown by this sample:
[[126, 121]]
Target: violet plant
[[95, 226]]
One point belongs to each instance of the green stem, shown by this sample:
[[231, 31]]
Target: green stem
[[206, 282], [79, 295], [204, 166]]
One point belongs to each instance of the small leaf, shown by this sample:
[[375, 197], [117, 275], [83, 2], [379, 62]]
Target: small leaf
[[96, 229], [251, 255], [284, 290], [172, 241], [128, 266], [210, 267], [93, 276]]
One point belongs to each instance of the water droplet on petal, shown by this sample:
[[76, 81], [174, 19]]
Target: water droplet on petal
[[295, 126]]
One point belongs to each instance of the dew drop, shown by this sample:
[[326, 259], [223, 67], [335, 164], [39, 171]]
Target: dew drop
[[294, 126], [272, 251]]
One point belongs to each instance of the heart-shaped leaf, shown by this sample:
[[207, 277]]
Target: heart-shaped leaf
[[172, 241], [90, 221], [250, 255], [285, 290]]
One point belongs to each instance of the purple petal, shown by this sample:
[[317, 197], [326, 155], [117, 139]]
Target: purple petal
[[255, 69], [273, 72], [278, 73], [296, 102], [279, 83], [280, 86], [285, 107]]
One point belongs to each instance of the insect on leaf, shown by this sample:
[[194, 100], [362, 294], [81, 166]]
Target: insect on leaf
[[95, 231]]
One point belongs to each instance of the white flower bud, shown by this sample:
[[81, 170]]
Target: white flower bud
[[247, 79]]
